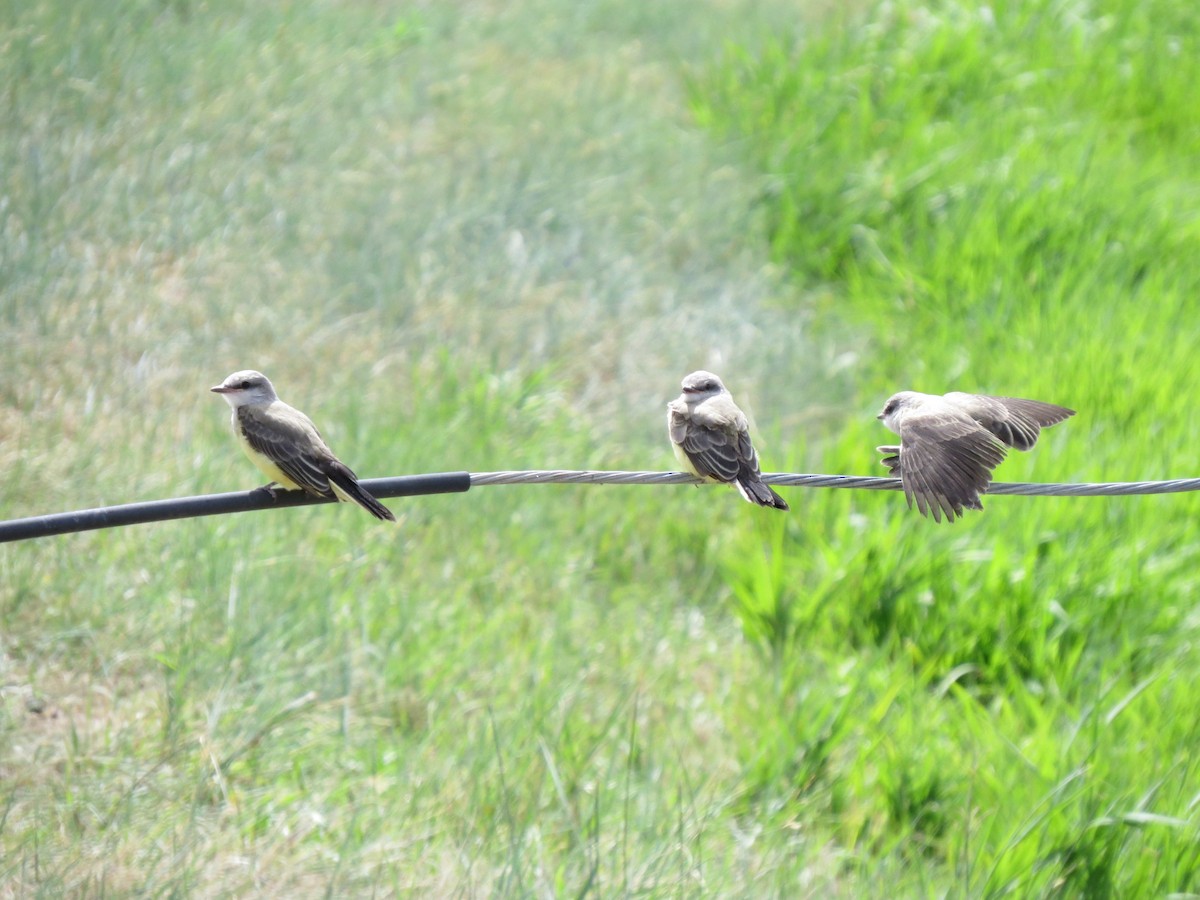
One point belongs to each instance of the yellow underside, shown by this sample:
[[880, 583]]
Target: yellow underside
[[264, 463], [267, 466]]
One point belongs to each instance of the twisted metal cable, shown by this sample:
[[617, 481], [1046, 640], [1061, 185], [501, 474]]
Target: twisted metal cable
[[855, 482]]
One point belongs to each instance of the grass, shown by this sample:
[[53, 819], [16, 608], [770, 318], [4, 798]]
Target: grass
[[494, 236], [999, 199]]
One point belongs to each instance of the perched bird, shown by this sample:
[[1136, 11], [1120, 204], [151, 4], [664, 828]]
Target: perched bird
[[286, 446], [949, 445], [711, 438]]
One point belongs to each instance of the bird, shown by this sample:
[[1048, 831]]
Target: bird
[[711, 438], [286, 446], [950, 444]]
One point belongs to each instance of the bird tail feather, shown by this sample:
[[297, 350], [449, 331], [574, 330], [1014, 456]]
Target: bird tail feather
[[346, 486], [760, 493]]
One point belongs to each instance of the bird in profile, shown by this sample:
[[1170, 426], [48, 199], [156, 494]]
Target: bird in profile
[[286, 446], [950, 444], [711, 437]]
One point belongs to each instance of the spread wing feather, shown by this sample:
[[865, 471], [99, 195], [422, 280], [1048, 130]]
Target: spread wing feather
[[945, 463], [1014, 421]]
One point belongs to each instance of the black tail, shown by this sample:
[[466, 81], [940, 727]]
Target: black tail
[[756, 491], [338, 474]]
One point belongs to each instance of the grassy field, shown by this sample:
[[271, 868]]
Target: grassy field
[[487, 236]]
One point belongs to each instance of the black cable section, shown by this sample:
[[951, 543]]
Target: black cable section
[[219, 504]]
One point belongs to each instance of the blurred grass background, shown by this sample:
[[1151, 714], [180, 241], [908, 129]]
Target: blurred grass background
[[489, 236]]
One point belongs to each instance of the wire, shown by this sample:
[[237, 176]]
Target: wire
[[217, 504], [457, 482], [852, 482]]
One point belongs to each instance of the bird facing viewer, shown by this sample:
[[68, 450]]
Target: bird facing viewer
[[711, 438]]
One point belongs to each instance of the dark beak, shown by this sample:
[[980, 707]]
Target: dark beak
[[221, 389]]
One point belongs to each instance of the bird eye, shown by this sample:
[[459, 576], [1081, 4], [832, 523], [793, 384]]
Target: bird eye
[[890, 408], [244, 385]]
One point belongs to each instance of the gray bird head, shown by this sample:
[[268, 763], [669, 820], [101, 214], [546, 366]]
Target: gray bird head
[[701, 386], [245, 388], [896, 406]]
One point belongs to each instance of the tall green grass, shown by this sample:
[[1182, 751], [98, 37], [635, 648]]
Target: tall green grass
[[1002, 197]]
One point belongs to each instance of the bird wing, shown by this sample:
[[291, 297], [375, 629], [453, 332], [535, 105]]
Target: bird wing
[[287, 437], [715, 452], [716, 442], [1014, 421], [715, 438], [946, 461]]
